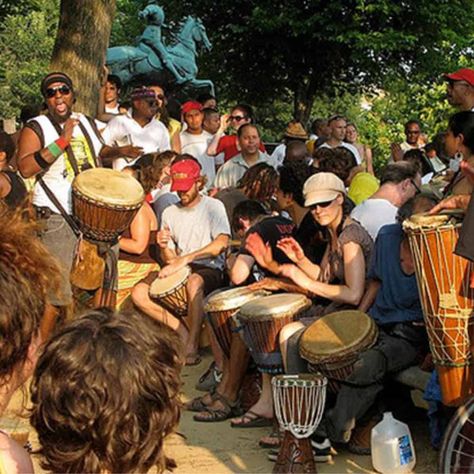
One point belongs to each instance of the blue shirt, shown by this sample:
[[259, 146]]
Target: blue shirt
[[397, 299]]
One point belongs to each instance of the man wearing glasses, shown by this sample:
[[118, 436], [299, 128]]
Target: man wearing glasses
[[460, 91], [228, 144], [56, 147], [138, 128], [398, 183]]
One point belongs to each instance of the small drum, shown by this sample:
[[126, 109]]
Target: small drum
[[332, 344], [105, 202], [447, 301], [299, 404], [170, 292], [262, 320], [221, 306]]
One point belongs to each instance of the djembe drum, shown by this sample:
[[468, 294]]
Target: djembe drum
[[299, 403], [221, 306], [105, 202], [447, 300], [170, 292], [262, 320], [332, 344]]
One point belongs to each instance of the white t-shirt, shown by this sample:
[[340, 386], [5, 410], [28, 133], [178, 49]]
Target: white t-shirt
[[373, 214], [192, 228], [350, 147], [124, 130], [196, 145], [278, 155]]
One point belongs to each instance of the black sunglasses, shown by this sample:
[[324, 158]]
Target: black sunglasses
[[323, 204], [418, 190], [63, 90], [237, 118]]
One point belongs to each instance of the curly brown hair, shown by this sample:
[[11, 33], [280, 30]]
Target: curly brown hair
[[259, 182], [27, 273], [105, 394]]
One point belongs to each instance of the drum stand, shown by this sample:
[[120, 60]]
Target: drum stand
[[299, 403]]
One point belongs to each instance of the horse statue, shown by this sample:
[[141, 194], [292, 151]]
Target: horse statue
[[174, 64]]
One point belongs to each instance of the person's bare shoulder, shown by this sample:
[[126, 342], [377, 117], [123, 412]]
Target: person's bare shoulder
[[13, 457]]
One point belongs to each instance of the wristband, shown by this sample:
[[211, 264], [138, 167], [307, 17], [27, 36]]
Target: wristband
[[62, 143], [55, 150], [40, 161]]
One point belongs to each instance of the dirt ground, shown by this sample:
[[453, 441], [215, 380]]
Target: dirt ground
[[217, 448]]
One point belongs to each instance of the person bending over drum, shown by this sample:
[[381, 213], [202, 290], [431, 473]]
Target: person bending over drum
[[105, 394], [139, 251], [393, 301], [195, 232], [28, 273]]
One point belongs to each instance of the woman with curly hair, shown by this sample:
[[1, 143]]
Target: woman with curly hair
[[105, 394], [27, 274]]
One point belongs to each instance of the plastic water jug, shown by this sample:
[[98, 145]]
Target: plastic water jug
[[392, 446]]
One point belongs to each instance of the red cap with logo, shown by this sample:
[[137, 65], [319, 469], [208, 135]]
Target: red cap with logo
[[464, 74], [184, 174], [190, 105]]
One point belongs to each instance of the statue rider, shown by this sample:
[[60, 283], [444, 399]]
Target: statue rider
[[151, 39]]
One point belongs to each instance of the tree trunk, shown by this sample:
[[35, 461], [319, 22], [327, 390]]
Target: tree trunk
[[303, 100], [81, 45]]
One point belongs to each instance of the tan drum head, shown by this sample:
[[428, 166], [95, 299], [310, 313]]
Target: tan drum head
[[232, 299], [162, 286], [423, 221], [274, 306], [109, 186], [334, 334]]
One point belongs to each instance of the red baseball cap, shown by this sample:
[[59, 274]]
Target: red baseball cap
[[190, 105], [464, 74], [184, 174]]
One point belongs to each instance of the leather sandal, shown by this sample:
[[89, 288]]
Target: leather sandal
[[197, 404], [210, 414]]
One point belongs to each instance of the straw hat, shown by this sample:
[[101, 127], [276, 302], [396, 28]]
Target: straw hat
[[296, 130]]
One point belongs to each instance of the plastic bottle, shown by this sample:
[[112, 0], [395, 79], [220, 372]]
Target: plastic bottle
[[392, 446]]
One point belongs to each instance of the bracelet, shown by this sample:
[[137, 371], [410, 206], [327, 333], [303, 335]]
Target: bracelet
[[40, 161], [55, 150], [62, 143]]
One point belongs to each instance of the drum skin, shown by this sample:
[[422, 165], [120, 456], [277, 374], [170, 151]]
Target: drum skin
[[447, 300], [332, 344], [105, 202]]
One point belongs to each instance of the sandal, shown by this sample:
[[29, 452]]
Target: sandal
[[197, 404], [209, 414], [252, 420], [271, 441]]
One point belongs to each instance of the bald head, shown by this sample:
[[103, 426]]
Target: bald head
[[296, 151]]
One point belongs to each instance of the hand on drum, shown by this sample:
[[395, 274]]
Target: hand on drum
[[131, 151], [261, 252], [460, 201], [267, 283], [291, 248], [177, 264]]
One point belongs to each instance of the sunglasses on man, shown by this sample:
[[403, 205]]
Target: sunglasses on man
[[63, 90]]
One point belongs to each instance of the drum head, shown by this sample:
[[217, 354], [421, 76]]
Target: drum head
[[423, 221], [162, 286], [336, 334], [232, 299], [109, 186], [274, 306]]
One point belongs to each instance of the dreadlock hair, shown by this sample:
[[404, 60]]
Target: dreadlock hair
[[259, 182]]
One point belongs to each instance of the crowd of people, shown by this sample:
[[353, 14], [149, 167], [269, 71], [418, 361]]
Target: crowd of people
[[312, 216]]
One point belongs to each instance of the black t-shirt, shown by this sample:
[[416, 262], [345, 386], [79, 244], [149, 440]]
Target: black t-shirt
[[465, 245], [271, 230]]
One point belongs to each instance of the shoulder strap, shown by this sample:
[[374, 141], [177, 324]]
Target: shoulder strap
[[89, 141], [69, 152], [61, 209], [36, 127]]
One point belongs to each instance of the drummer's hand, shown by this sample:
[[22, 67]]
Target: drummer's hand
[[267, 283], [162, 237], [131, 151], [460, 201], [291, 248], [69, 128], [176, 264], [260, 251]]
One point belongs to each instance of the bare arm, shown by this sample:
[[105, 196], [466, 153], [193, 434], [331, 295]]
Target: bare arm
[[176, 142], [369, 159], [140, 233], [354, 275], [294, 252], [369, 295], [212, 147], [240, 270]]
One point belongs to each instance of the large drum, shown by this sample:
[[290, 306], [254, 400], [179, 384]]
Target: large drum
[[262, 320], [222, 306], [299, 404], [105, 202], [332, 344], [170, 292], [447, 301]]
